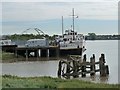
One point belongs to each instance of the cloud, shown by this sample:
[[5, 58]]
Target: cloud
[[32, 11], [59, 0], [18, 16]]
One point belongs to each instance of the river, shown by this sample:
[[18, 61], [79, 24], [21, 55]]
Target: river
[[49, 68]]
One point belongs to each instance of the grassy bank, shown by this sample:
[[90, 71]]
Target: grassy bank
[[48, 82], [7, 57]]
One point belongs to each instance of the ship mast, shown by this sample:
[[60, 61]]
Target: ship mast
[[73, 15], [73, 20], [62, 27]]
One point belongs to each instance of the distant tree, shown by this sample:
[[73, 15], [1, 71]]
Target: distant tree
[[92, 36]]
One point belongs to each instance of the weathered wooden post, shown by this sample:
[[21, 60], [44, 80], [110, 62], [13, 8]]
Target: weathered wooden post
[[68, 67], [107, 69], [92, 66], [102, 65], [59, 69], [75, 69], [84, 66], [68, 70]]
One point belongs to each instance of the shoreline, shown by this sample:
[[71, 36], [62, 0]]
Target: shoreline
[[30, 59]]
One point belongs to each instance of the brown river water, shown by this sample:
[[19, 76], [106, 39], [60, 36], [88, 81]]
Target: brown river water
[[49, 68]]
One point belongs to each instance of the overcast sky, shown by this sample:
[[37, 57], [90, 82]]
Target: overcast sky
[[98, 16]]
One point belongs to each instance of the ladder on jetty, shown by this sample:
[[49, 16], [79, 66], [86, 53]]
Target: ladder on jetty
[[75, 66]]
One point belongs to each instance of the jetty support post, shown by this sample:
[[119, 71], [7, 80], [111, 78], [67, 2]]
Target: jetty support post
[[26, 54], [48, 53], [37, 53], [16, 53], [57, 52], [84, 66]]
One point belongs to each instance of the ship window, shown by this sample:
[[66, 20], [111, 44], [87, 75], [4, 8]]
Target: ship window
[[75, 33], [6, 42]]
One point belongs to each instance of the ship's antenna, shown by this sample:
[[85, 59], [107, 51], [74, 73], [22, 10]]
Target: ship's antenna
[[62, 27], [73, 15]]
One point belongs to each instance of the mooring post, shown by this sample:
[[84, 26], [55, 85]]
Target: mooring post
[[103, 58], [74, 69], [68, 70], [84, 66], [92, 66], [102, 65], [107, 69], [59, 69]]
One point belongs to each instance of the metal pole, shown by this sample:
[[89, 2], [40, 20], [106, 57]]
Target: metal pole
[[62, 27], [73, 22]]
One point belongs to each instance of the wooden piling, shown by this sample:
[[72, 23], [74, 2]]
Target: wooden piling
[[107, 70], [59, 69], [84, 66], [68, 70], [102, 65], [92, 66], [75, 68]]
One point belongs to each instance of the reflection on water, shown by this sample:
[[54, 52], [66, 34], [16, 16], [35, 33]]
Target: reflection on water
[[96, 79], [31, 69], [99, 79], [49, 68]]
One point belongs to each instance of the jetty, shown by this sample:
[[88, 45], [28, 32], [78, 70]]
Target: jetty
[[38, 52]]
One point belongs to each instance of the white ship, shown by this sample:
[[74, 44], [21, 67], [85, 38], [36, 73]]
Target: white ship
[[71, 43]]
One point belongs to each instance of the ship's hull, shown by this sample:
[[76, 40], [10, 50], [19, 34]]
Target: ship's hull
[[72, 51]]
